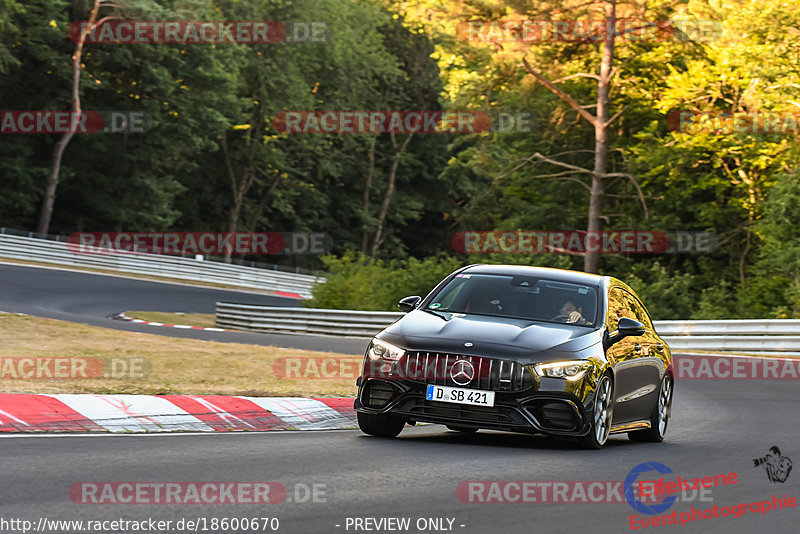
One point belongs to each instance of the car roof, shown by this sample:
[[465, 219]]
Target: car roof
[[561, 275]]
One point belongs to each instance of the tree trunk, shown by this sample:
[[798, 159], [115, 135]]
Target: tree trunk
[[233, 222], [367, 191], [387, 197], [591, 261], [263, 203], [61, 145], [239, 188], [260, 208]]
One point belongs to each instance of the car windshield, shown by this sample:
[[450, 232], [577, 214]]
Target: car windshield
[[518, 297]]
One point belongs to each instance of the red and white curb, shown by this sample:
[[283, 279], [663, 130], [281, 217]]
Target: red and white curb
[[123, 317], [171, 413], [288, 294]]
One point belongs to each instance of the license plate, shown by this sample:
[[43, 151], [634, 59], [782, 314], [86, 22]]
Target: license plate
[[460, 395]]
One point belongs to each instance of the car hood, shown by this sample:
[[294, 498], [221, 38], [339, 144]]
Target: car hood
[[521, 340]]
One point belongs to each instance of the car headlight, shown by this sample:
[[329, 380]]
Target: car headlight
[[571, 370], [381, 349]]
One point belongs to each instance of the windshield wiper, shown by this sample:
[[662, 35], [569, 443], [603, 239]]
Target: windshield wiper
[[437, 313]]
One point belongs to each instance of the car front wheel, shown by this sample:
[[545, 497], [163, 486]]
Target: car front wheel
[[601, 415], [381, 425]]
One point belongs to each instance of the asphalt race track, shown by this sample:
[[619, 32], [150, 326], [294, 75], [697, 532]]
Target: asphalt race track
[[718, 427], [91, 299]]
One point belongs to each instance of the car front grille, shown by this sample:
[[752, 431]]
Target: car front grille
[[490, 374], [457, 412], [498, 416]]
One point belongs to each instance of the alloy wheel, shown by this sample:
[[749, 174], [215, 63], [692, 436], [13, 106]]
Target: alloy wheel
[[602, 410], [664, 405]]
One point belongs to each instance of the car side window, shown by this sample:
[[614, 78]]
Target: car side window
[[617, 308], [637, 308]]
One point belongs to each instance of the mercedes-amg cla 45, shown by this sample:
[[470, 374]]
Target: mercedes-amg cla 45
[[522, 349]]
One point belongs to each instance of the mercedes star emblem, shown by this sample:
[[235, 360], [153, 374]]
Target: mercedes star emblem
[[462, 372]]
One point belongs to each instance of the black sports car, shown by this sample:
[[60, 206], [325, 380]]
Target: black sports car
[[523, 349]]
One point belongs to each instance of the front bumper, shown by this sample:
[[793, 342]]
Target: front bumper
[[550, 406]]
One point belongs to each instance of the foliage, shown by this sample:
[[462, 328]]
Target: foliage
[[406, 55], [357, 282]]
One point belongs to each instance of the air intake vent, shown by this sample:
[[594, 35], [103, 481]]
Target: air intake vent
[[556, 415], [378, 394]]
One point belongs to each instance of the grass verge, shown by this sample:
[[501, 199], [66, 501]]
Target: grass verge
[[176, 366]]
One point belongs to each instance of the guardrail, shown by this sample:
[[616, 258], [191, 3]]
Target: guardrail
[[56, 252], [303, 320], [767, 336]]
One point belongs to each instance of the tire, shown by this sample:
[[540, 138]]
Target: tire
[[381, 425], [601, 414], [660, 416], [462, 429]]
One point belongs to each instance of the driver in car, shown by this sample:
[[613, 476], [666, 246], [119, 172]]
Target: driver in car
[[574, 314]]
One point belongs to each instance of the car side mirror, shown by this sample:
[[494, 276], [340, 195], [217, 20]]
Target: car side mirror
[[630, 327], [626, 327], [409, 303]]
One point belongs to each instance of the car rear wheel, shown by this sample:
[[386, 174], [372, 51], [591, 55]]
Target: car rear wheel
[[381, 425], [660, 416], [464, 429], [601, 415]]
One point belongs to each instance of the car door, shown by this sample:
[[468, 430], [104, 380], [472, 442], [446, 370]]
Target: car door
[[646, 366], [621, 355]]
